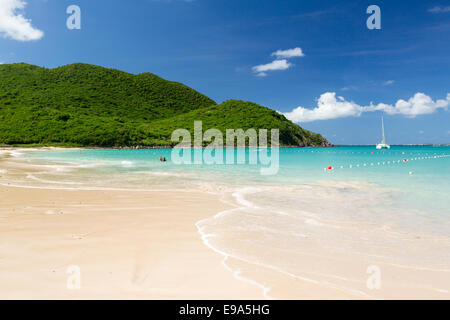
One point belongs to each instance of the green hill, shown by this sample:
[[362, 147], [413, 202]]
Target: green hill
[[86, 105], [235, 114]]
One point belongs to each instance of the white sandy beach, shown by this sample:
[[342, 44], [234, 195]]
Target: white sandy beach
[[146, 245], [128, 245]]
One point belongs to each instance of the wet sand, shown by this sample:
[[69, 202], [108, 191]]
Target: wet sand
[[127, 245], [146, 245]]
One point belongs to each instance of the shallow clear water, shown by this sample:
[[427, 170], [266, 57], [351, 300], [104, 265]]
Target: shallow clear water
[[381, 205], [423, 181]]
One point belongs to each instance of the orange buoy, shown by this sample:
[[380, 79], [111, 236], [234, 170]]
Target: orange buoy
[[330, 168]]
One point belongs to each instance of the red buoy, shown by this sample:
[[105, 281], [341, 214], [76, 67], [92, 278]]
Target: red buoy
[[405, 160], [330, 168]]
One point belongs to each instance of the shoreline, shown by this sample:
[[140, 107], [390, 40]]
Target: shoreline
[[138, 147], [128, 244], [161, 244], [137, 245], [37, 147]]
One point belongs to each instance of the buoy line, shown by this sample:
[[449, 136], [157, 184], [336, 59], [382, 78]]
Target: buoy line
[[384, 163], [370, 152]]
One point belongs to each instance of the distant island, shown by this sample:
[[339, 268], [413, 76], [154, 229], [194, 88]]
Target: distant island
[[81, 105]]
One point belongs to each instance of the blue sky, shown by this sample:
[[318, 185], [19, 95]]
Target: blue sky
[[214, 47]]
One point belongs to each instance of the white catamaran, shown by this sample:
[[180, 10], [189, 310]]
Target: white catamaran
[[383, 144]]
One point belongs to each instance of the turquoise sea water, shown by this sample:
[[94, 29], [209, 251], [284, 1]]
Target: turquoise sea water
[[423, 180], [406, 178], [382, 206]]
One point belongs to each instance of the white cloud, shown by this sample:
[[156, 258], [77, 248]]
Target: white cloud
[[330, 107], [14, 25], [280, 63], [289, 53], [274, 65], [417, 105], [439, 9], [388, 82]]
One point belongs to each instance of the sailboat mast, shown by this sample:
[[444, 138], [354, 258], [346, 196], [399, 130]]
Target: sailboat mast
[[382, 129]]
